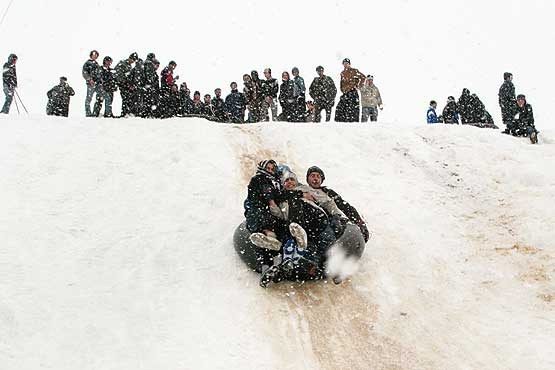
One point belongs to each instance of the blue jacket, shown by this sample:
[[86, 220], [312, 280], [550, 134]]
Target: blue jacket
[[432, 116]]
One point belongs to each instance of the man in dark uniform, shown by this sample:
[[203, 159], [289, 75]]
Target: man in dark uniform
[[125, 83], [507, 101], [323, 91]]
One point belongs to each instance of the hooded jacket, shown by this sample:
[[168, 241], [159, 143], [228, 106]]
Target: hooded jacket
[[9, 75]]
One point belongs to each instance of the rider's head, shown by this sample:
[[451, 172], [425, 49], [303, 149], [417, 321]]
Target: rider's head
[[268, 165], [315, 177], [289, 180]]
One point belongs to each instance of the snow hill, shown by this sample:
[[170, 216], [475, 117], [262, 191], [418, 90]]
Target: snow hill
[[116, 248]]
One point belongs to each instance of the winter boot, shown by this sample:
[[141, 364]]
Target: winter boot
[[265, 241], [534, 137], [289, 251], [271, 274], [299, 234]]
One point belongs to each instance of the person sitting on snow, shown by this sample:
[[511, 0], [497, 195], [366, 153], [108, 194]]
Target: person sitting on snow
[[315, 177], [523, 124]]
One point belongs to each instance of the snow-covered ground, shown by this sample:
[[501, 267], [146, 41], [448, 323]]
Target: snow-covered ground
[[116, 248]]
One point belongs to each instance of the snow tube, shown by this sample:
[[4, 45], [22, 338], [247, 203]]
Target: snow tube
[[351, 243]]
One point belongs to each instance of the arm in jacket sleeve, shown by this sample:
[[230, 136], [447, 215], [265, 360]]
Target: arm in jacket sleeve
[[350, 212]]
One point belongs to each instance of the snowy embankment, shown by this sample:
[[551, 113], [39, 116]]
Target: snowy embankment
[[116, 248]]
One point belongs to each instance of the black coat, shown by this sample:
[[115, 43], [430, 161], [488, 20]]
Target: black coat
[[107, 79], [262, 188], [219, 108], [507, 98], [9, 74], [91, 71], [465, 106], [287, 100], [58, 100], [450, 113], [170, 105], [270, 88], [185, 102], [311, 217], [123, 75], [235, 104], [323, 91], [525, 116]]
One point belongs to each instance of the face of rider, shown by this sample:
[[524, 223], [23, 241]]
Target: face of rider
[[290, 184], [314, 180], [271, 168]]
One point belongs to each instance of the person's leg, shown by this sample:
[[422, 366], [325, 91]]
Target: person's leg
[[374, 114], [366, 111], [98, 102], [328, 112], [317, 112], [88, 100], [9, 98], [108, 98], [274, 108]]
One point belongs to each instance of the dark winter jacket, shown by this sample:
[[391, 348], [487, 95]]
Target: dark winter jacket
[[465, 106], [107, 79], [299, 89], [323, 91], [450, 113], [197, 107], [152, 80], [91, 71], [309, 215], [123, 75], [208, 110], [287, 100], [235, 104], [525, 116], [138, 74], [185, 102], [349, 211], [262, 188], [9, 74], [219, 108], [58, 100], [507, 98], [270, 88], [169, 105]]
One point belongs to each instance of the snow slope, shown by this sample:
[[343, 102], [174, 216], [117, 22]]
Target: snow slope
[[116, 248]]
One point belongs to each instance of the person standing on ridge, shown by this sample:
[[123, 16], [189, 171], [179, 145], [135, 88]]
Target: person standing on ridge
[[348, 108], [91, 74], [9, 79], [323, 91], [507, 101], [371, 100]]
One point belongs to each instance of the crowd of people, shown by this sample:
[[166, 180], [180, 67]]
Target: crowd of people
[[145, 93], [516, 113], [296, 222]]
